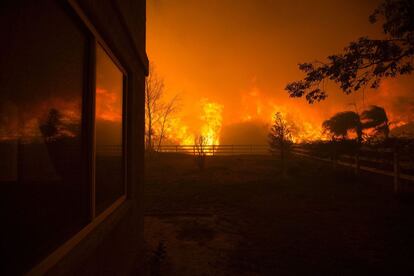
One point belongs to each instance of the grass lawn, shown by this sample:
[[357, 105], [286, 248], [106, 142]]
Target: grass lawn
[[241, 217]]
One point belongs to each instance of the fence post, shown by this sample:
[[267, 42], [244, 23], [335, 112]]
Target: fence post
[[397, 187], [232, 149], [193, 149], [176, 148]]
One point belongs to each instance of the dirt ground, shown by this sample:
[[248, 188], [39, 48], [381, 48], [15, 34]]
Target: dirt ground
[[241, 217]]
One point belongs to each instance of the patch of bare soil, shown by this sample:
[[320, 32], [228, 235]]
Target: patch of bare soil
[[239, 216], [193, 245]]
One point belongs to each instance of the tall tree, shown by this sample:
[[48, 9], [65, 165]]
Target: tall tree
[[200, 144], [280, 138], [341, 123], [167, 111], [52, 125], [375, 117], [158, 111], [154, 88], [366, 61]]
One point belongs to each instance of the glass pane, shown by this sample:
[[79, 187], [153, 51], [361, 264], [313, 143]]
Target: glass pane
[[109, 178], [45, 198]]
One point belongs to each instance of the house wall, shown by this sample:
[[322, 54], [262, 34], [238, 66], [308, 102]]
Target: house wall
[[49, 73], [115, 247]]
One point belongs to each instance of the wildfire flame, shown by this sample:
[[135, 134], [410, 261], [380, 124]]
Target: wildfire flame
[[22, 122], [177, 132], [212, 118], [303, 130], [212, 122], [256, 107]]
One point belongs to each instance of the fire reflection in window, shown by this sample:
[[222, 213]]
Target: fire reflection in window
[[45, 197], [109, 182]]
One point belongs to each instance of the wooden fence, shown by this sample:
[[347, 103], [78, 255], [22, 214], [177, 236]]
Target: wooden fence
[[383, 161], [218, 149]]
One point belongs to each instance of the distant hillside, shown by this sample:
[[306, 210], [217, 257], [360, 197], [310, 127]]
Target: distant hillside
[[406, 130]]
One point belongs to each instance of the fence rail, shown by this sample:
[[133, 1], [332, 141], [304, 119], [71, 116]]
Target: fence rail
[[218, 149], [389, 161]]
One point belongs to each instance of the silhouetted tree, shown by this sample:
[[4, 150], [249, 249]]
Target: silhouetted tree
[[200, 144], [280, 138], [342, 122], [157, 111], [167, 111], [51, 126], [375, 117], [154, 88], [365, 61]]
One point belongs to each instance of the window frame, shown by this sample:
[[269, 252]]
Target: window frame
[[99, 42], [89, 138]]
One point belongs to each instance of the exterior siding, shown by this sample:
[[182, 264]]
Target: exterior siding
[[115, 247]]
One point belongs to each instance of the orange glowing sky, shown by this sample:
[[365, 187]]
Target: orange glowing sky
[[241, 54]]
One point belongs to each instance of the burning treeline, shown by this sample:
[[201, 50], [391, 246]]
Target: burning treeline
[[210, 125], [251, 121], [175, 131], [164, 125]]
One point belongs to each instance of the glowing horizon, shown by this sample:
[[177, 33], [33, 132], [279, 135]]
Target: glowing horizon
[[240, 57]]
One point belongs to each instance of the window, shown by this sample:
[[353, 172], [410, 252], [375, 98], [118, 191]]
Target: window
[[109, 176], [45, 194], [56, 174]]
